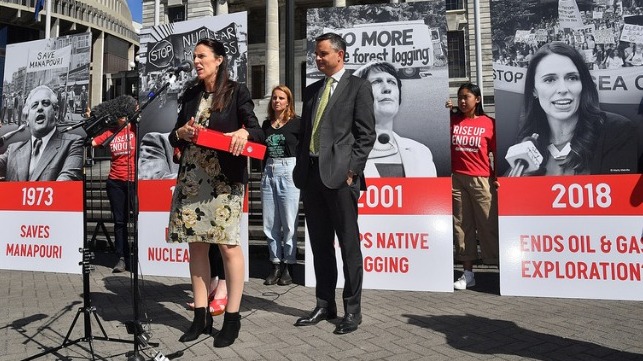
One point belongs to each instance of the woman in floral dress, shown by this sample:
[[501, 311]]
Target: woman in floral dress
[[207, 201]]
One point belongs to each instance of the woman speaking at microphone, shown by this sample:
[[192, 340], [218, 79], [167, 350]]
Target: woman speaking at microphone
[[207, 201], [561, 105], [120, 182]]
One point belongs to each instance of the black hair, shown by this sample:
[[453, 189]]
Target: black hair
[[590, 116], [223, 86], [475, 90], [336, 41]]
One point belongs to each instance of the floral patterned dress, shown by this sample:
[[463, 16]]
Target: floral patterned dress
[[206, 207]]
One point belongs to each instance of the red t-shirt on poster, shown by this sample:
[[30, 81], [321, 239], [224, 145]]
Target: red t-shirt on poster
[[471, 141], [123, 155]]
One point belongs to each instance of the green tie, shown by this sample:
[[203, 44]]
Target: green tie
[[314, 139]]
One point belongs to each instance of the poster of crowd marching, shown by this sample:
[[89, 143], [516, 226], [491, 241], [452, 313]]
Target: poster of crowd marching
[[164, 48], [45, 90], [568, 79], [405, 212]]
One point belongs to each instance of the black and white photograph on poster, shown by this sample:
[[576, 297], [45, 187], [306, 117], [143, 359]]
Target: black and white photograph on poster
[[401, 50], [164, 55], [568, 78], [43, 96]]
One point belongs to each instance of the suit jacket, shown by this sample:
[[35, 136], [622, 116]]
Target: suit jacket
[[417, 159], [62, 159], [347, 132], [617, 148], [155, 157], [239, 113]]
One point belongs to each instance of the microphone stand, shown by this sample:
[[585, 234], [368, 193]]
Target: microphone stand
[[135, 327], [87, 310]]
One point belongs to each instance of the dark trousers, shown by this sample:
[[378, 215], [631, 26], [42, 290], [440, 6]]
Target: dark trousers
[[216, 262], [330, 212], [121, 196]]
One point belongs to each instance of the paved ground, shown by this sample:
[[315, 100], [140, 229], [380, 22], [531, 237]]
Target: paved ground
[[37, 309]]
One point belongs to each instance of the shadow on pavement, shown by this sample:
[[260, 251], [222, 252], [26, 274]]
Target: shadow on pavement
[[487, 336]]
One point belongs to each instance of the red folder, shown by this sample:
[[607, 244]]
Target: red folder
[[216, 140]]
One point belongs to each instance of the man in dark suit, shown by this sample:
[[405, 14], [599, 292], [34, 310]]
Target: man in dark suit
[[338, 128], [48, 155]]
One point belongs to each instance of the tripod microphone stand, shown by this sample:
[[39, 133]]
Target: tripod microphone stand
[[87, 310], [134, 327]]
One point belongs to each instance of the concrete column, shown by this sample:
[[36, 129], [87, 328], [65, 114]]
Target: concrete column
[[157, 11], [272, 44], [54, 28], [48, 20], [98, 50], [222, 7], [339, 3]]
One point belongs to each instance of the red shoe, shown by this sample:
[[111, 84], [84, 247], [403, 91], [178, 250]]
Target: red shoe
[[217, 306], [210, 298]]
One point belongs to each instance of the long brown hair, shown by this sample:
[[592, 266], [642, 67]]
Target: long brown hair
[[223, 87], [289, 112]]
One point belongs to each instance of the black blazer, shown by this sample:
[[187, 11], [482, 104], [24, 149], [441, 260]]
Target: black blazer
[[239, 113], [347, 132], [617, 147]]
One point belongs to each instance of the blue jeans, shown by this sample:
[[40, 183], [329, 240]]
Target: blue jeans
[[280, 200]]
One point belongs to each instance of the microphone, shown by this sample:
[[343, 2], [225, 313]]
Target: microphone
[[10, 134], [185, 66], [106, 114], [524, 157], [383, 138]]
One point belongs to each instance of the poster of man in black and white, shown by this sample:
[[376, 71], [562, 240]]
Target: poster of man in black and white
[[42, 95]]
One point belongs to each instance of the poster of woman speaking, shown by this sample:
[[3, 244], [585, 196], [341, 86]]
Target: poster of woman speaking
[[400, 49], [567, 114], [568, 86]]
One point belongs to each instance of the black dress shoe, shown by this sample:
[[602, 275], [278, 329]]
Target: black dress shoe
[[349, 323], [318, 314]]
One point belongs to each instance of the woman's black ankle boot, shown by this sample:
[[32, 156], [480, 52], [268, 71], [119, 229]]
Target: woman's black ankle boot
[[202, 324], [274, 275], [229, 331], [285, 279]]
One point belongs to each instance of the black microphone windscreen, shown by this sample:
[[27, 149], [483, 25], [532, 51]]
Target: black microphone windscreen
[[106, 108], [126, 106], [383, 138]]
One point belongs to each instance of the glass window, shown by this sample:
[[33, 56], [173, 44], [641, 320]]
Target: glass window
[[257, 34], [176, 13], [258, 78], [455, 4], [456, 51]]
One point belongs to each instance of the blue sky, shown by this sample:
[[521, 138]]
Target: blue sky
[[136, 7]]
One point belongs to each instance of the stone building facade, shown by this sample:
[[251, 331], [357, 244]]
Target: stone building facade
[[266, 34], [114, 37]]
